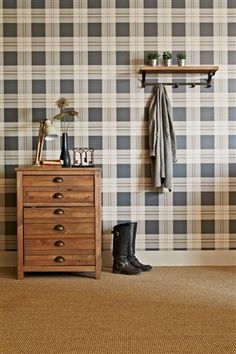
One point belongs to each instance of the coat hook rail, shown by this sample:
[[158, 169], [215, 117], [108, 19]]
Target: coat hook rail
[[209, 70], [177, 84]]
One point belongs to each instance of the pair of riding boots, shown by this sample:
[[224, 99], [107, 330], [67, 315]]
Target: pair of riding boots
[[124, 260]]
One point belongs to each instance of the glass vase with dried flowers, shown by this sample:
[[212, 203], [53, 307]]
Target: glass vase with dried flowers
[[62, 103]]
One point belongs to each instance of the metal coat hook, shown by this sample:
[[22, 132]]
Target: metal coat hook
[[177, 84], [206, 82]]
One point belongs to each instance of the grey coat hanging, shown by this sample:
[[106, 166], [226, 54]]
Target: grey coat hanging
[[162, 143]]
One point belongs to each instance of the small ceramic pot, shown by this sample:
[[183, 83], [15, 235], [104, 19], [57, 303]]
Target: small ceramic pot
[[153, 62], [181, 62], [167, 62]]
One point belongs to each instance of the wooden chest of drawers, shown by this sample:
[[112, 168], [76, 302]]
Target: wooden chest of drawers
[[58, 220]]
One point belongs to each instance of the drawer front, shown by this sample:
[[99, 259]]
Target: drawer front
[[58, 196], [56, 230], [61, 245], [58, 180], [59, 213], [59, 260]]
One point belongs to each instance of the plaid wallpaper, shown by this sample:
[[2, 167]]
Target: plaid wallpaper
[[89, 51]]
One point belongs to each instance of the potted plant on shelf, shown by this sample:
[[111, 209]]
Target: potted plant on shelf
[[181, 58], [167, 57], [153, 57]]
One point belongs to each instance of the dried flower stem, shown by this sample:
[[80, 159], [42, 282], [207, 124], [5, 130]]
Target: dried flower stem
[[61, 103]]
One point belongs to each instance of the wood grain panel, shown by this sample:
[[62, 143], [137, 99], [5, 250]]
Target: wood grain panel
[[63, 268], [54, 228], [20, 230], [51, 196], [74, 259], [59, 244], [98, 230], [58, 180], [59, 213], [187, 69]]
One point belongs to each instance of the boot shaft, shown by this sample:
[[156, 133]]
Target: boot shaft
[[124, 239], [121, 237], [133, 231]]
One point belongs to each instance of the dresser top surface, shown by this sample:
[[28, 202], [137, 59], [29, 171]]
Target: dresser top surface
[[59, 170]]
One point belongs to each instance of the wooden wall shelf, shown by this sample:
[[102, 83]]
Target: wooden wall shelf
[[210, 70]]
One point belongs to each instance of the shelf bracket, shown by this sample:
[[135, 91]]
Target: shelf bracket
[[143, 79], [209, 78]]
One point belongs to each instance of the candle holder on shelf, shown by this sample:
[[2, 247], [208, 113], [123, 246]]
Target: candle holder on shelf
[[83, 157]]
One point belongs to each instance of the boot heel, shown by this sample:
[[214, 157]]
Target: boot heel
[[116, 271]]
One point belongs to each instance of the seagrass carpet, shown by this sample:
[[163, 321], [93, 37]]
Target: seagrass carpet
[[168, 310]]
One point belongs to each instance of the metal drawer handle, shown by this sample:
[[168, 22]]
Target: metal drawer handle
[[59, 228], [58, 180], [58, 196], [59, 243], [59, 259], [59, 211]]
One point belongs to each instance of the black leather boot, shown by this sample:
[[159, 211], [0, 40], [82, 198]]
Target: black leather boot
[[132, 259], [121, 241]]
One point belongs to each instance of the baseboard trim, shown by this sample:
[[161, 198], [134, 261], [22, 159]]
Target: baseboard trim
[[158, 258], [180, 258], [8, 259]]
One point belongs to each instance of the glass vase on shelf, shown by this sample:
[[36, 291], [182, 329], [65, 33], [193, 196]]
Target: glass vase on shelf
[[62, 103], [65, 154]]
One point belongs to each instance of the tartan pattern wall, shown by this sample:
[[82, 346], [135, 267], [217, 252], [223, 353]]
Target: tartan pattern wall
[[90, 51]]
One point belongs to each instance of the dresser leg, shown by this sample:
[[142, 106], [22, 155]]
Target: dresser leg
[[98, 274], [20, 274]]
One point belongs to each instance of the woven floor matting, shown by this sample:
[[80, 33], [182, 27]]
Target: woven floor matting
[[168, 310]]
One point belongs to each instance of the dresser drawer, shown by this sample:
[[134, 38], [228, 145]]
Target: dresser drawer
[[60, 213], [51, 245], [59, 260], [58, 180], [56, 230], [58, 196]]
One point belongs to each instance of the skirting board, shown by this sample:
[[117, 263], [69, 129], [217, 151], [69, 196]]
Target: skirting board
[[158, 258], [180, 258], [8, 259]]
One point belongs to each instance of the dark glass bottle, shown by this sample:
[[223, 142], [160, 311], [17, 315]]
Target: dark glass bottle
[[65, 155]]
